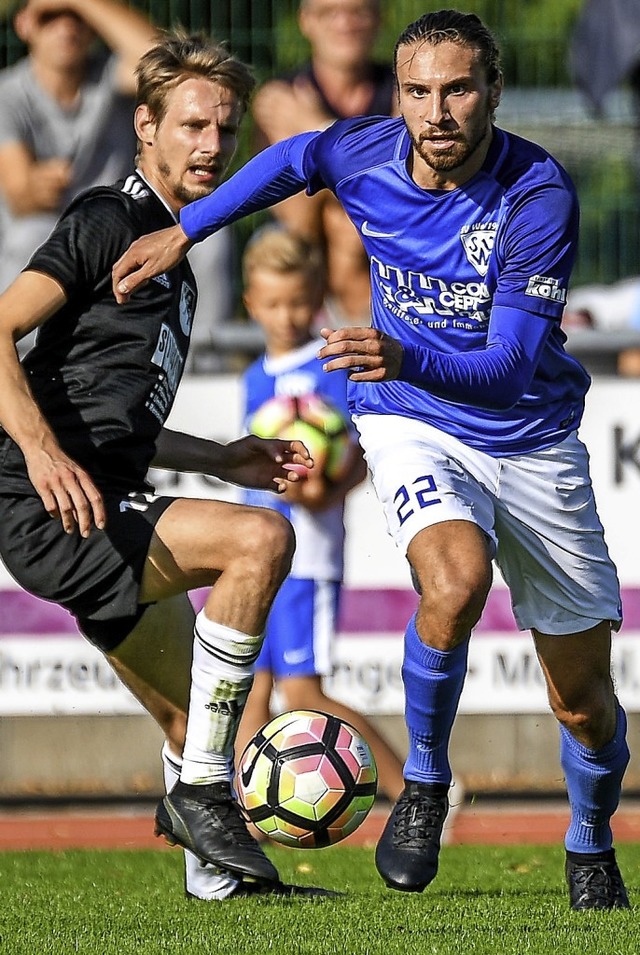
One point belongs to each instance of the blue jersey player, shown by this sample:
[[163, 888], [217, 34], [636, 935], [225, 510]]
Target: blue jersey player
[[467, 408]]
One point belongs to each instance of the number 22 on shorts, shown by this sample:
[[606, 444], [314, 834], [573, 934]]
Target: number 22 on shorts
[[418, 494]]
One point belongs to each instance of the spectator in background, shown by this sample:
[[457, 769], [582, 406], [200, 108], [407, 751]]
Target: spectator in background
[[66, 124], [340, 80], [66, 115], [283, 290], [613, 308]]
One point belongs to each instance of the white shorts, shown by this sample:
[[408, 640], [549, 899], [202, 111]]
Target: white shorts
[[537, 510]]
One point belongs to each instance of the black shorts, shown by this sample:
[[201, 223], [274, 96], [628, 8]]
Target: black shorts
[[96, 578]]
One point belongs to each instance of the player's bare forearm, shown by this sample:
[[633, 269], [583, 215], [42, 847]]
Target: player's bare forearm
[[367, 354], [147, 257], [67, 490], [250, 461]]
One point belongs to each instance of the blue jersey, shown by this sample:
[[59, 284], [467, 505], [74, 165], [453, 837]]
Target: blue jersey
[[471, 281], [319, 534]]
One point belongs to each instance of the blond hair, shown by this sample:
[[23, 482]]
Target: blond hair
[[279, 250], [179, 55]]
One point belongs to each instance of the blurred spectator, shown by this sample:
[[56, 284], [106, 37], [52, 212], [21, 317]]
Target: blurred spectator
[[66, 123], [608, 308], [577, 318], [605, 49], [612, 307], [605, 52], [66, 115], [212, 264], [341, 80]]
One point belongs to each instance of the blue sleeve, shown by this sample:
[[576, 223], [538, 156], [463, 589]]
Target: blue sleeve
[[273, 175], [535, 254], [495, 377]]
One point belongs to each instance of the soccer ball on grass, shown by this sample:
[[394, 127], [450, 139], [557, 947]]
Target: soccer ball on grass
[[307, 779], [313, 420]]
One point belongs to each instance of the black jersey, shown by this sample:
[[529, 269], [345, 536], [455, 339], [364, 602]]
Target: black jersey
[[105, 375]]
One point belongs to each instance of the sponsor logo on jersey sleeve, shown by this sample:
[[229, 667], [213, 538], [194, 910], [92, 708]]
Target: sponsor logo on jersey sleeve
[[170, 360], [543, 286], [187, 307]]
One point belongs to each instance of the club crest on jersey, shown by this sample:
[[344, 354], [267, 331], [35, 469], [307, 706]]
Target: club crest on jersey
[[477, 242]]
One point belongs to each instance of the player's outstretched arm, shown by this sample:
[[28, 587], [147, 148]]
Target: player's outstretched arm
[[147, 257], [270, 464], [66, 489]]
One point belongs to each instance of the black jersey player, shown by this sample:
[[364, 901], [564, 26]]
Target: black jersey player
[[82, 420]]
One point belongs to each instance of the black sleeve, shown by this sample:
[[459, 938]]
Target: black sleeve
[[91, 235]]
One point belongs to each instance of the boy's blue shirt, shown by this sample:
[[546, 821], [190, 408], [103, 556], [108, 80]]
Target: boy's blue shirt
[[319, 534]]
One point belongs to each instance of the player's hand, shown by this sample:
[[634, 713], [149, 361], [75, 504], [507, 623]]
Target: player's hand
[[283, 109], [367, 354], [269, 463], [67, 491], [147, 257]]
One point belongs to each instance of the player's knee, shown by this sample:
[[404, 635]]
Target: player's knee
[[588, 711], [454, 603], [269, 540]]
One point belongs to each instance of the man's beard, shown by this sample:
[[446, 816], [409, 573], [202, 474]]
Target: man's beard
[[182, 192], [454, 157]]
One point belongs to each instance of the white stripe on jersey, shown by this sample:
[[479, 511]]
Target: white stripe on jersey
[[134, 188]]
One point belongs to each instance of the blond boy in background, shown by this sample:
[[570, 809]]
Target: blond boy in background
[[284, 284]]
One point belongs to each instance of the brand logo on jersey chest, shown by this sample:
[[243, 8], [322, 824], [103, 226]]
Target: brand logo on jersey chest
[[478, 241]]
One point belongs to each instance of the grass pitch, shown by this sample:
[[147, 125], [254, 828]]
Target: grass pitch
[[485, 901]]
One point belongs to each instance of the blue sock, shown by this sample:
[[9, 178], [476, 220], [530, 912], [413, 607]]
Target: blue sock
[[433, 681], [594, 780]]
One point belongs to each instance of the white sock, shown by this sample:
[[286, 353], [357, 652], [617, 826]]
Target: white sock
[[200, 879], [221, 677]]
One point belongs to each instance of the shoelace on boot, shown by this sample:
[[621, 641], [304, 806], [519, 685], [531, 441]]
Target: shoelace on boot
[[417, 819], [602, 881]]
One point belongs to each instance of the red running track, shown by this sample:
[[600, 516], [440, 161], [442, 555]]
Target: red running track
[[489, 824]]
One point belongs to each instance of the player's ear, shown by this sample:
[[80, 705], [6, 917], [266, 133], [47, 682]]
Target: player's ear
[[22, 24], [495, 93], [248, 300], [145, 124]]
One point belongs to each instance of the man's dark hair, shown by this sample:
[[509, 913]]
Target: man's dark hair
[[451, 26]]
